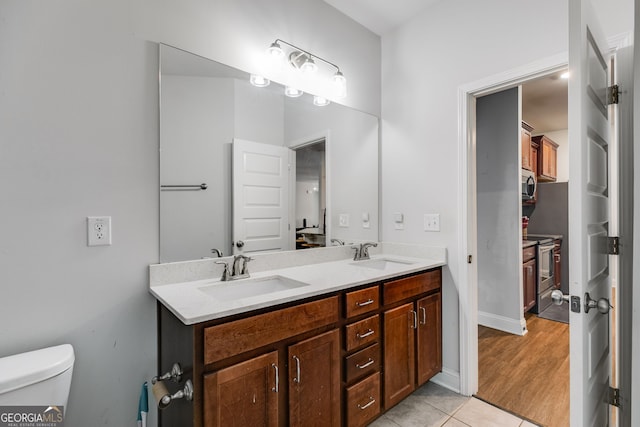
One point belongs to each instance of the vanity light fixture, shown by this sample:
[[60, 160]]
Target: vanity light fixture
[[305, 61], [292, 92], [259, 81]]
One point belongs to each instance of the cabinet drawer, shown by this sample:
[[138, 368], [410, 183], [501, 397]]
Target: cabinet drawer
[[528, 253], [362, 363], [399, 290], [228, 339], [362, 301], [363, 401], [363, 332]]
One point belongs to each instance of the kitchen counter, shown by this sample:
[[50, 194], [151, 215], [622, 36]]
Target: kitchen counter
[[528, 243], [545, 236], [179, 286]]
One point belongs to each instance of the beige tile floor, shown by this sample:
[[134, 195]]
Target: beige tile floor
[[434, 406]]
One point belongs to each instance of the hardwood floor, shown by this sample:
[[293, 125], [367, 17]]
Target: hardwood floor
[[527, 375]]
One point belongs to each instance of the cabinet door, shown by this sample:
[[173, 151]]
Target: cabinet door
[[314, 381], [525, 142], [245, 394], [429, 338], [399, 353], [529, 284], [557, 269]]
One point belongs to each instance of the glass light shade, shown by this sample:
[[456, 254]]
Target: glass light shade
[[292, 92], [275, 51], [340, 84], [320, 101], [309, 66], [259, 81]]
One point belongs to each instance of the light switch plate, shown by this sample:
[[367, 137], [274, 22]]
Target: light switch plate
[[431, 222], [98, 230], [344, 220]]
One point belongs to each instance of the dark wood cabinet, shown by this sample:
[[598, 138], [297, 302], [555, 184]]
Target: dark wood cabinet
[[529, 277], [525, 146], [547, 159], [429, 337], [399, 354], [557, 264], [245, 394], [314, 384]]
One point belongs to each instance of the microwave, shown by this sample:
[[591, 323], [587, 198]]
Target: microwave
[[528, 184]]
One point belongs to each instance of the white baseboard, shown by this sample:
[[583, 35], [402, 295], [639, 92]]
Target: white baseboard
[[448, 379], [501, 323]]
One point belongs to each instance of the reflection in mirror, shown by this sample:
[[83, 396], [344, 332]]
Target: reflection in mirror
[[328, 176]]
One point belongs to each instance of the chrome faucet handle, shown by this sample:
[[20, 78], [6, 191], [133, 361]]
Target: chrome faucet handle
[[358, 249], [225, 273], [245, 269], [365, 249]]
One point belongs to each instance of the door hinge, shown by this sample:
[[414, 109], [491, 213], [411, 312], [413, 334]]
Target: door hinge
[[613, 94], [469, 259], [614, 397], [613, 245]]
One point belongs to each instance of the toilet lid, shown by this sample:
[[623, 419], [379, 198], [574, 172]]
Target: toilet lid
[[21, 370]]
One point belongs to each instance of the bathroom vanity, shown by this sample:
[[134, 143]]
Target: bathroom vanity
[[354, 342]]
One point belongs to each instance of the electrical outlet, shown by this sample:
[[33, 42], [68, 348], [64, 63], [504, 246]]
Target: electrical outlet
[[98, 230], [431, 222]]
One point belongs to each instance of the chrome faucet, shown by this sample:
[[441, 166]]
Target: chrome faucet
[[238, 269], [362, 251], [338, 241], [217, 251]]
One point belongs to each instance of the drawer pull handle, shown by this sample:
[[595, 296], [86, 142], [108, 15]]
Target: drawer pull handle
[[365, 365], [423, 313], [277, 387], [296, 379], [366, 334], [364, 303], [366, 405]]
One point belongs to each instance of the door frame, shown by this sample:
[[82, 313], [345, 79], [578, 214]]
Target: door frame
[[467, 214]]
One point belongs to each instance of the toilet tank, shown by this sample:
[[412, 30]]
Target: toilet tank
[[40, 377]]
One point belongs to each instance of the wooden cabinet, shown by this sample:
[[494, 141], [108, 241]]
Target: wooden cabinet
[[412, 336], [525, 146], [529, 277], [313, 363], [314, 385], [557, 264], [245, 394], [547, 159]]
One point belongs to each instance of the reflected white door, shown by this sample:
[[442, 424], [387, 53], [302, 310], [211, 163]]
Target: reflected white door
[[590, 212], [260, 197]]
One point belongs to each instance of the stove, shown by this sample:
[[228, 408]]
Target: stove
[[545, 267]]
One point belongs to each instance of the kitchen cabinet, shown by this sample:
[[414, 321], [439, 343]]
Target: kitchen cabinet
[[529, 277], [412, 335], [525, 146], [547, 158], [557, 264], [326, 361]]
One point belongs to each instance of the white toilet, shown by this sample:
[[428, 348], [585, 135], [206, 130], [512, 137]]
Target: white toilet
[[40, 377]]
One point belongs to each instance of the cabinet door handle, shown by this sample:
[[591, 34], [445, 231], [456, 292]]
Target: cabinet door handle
[[277, 387], [365, 365], [366, 405], [364, 303], [415, 319], [296, 379], [423, 313], [366, 334]]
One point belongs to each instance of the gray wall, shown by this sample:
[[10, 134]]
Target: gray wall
[[499, 214], [79, 137]]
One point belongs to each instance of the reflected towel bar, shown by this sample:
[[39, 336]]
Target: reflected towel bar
[[202, 186]]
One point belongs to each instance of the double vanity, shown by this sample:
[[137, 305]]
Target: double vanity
[[310, 338]]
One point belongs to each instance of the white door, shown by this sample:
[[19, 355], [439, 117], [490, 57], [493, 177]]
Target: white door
[[590, 212], [260, 197]]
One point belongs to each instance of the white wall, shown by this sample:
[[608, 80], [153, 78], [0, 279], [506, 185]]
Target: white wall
[[561, 137], [425, 61], [307, 203], [498, 167], [79, 137]]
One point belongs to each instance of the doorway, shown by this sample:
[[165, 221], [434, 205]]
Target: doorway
[[311, 194]]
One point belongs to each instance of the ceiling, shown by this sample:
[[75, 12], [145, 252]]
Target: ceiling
[[381, 16], [545, 103]]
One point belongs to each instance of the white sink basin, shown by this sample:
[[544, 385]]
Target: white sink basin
[[229, 291], [380, 263]]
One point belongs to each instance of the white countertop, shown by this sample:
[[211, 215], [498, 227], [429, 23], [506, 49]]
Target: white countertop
[[191, 305]]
